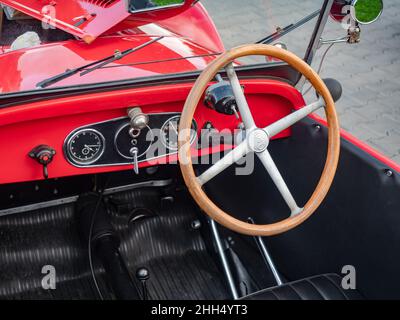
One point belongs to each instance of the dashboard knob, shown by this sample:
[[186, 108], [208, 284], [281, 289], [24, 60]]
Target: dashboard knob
[[138, 119], [43, 154]]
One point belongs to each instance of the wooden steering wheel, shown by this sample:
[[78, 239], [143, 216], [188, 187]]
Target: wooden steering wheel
[[257, 140]]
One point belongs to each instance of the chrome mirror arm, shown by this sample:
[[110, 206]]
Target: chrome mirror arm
[[353, 36], [323, 42]]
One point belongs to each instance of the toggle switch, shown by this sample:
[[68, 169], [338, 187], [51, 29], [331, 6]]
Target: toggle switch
[[134, 153], [44, 155]]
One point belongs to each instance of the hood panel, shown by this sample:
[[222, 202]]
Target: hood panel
[[26, 67], [86, 19]]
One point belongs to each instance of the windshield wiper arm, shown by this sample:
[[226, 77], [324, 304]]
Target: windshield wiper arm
[[93, 65], [281, 32], [120, 55]]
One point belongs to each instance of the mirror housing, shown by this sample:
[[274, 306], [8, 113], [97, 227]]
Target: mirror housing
[[361, 11], [338, 10], [366, 11]]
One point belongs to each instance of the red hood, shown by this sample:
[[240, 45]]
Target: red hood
[[23, 69]]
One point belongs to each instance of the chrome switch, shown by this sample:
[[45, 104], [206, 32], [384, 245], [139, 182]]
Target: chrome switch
[[138, 119], [134, 153]]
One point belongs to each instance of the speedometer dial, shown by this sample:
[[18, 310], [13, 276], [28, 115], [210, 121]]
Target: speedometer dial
[[169, 133], [85, 146]]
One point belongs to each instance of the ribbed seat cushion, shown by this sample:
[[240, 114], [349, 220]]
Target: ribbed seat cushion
[[321, 287]]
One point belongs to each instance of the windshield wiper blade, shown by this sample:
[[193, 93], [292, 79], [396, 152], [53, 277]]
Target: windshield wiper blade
[[93, 65], [281, 32]]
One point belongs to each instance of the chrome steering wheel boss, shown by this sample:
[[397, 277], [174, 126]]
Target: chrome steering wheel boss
[[258, 140]]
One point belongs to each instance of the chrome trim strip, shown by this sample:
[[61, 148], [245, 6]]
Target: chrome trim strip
[[152, 183], [72, 199], [36, 206]]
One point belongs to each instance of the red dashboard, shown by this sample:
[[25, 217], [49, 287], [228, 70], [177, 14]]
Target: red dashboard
[[51, 122]]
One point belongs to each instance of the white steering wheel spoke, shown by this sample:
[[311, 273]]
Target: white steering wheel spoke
[[286, 122], [233, 156], [241, 101], [279, 182]]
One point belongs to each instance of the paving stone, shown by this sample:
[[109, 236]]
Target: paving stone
[[350, 120], [363, 131], [392, 70], [370, 111], [364, 93], [385, 88], [384, 124], [396, 158], [391, 148]]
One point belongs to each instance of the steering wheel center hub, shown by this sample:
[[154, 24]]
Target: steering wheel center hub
[[258, 140]]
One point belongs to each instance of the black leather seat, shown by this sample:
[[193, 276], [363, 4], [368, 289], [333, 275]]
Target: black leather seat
[[322, 287]]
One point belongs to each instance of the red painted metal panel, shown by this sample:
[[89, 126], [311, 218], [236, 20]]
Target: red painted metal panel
[[88, 19], [50, 122], [26, 67], [202, 28]]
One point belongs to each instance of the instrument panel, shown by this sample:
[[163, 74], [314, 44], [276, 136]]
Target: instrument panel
[[52, 123], [115, 142]]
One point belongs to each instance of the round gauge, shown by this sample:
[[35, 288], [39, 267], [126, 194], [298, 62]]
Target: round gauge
[[169, 133], [85, 146]]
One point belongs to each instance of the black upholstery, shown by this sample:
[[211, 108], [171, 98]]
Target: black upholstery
[[322, 287]]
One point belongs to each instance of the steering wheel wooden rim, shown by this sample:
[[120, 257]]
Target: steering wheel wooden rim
[[184, 152]]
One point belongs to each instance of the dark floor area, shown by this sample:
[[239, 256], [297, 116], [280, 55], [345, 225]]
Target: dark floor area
[[177, 257], [175, 254]]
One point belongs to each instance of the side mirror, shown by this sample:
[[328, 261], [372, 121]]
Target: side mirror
[[366, 11], [136, 6]]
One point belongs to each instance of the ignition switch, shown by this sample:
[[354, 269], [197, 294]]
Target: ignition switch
[[44, 155]]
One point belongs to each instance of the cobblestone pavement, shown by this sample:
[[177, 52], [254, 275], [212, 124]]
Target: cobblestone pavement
[[369, 72]]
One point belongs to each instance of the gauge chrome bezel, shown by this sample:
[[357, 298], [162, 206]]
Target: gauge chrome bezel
[[192, 138], [71, 158]]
